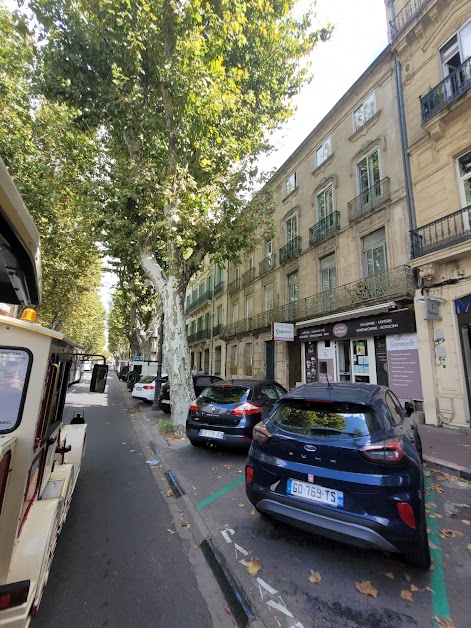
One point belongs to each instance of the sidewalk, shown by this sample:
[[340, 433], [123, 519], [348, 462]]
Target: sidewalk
[[447, 449]]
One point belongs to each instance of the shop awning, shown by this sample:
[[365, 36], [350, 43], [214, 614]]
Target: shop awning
[[341, 316]]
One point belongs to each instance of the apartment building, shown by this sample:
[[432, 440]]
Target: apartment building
[[431, 40], [205, 310], [337, 268]]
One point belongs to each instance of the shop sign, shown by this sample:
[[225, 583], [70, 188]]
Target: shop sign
[[398, 322], [403, 366], [282, 331]]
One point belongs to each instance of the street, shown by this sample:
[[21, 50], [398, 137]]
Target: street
[[281, 593], [123, 558]]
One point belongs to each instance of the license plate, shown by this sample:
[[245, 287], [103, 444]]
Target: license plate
[[315, 493], [211, 434], [166, 401]]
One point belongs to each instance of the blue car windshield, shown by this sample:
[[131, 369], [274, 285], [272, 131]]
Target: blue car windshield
[[325, 420]]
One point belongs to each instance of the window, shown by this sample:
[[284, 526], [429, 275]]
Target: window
[[209, 284], [324, 151], [328, 273], [268, 298], [249, 306], [207, 320], [235, 312], [293, 288], [364, 112], [234, 360], [201, 289], [14, 373], [464, 174], [291, 228], [199, 326], [217, 360], [394, 408], [456, 50], [369, 175], [269, 248], [219, 314], [290, 184], [236, 272], [219, 275], [374, 253], [250, 263], [192, 327], [324, 203]]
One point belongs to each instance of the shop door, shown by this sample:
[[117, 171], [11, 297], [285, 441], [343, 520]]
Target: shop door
[[344, 360], [466, 343], [294, 360], [270, 359], [311, 362]]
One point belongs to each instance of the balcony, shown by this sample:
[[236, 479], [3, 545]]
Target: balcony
[[290, 250], [234, 285], [394, 284], [447, 91], [194, 305], [202, 334], [267, 265], [324, 228], [218, 288], [369, 200], [248, 277], [405, 16], [217, 329], [442, 233]]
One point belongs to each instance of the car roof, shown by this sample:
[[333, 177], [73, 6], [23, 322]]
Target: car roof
[[366, 394]]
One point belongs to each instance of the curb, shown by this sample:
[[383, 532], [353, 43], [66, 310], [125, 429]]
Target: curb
[[448, 467], [237, 601]]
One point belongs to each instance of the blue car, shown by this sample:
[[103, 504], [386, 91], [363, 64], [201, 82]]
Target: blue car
[[342, 460]]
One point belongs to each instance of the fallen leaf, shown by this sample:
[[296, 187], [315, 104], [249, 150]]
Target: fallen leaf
[[253, 513], [427, 474], [444, 623], [466, 522], [254, 566], [185, 524], [432, 545], [241, 505], [413, 588], [169, 493], [366, 588], [315, 577], [196, 546], [468, 546], [438, 516], [131, 450], [449, 533], [429, 531], [389, 574], [228, 610], [429, 589], [228, 466], [171, 531], [407, 577], [432, 567], [406, 595]]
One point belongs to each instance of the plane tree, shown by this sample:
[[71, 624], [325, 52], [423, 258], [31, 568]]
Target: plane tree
[[183, 93]]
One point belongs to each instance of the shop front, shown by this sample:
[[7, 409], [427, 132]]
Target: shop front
[[377, 349]]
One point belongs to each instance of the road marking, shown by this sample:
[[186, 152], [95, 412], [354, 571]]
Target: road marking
[[440, 606], [220, 493]]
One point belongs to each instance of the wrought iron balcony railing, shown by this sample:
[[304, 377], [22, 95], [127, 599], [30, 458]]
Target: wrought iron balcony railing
[[218, 288], [324, 228], [217, 329], [447, 91], [369, 200], [442, 233], [234, 285], [248, 277], [290, 250], [267, 265], [405, 16], [194, 305], [396, 283]]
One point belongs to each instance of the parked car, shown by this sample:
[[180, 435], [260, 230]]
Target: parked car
[[140, 369], [145, 388], [123, 371], [200, 382], [342, 460], [226, 412]]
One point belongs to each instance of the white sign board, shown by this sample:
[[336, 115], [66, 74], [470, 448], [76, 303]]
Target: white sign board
[[283, 331]]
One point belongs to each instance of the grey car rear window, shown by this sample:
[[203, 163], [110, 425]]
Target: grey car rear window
[[223, 394], [325, 420]]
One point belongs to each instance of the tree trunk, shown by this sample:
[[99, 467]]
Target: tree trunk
[[176, 356]]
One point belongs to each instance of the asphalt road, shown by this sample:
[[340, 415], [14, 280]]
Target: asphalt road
[[281, 592], [122, 559]]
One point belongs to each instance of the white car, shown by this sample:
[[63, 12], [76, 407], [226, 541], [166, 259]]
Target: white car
[[145, 388]]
